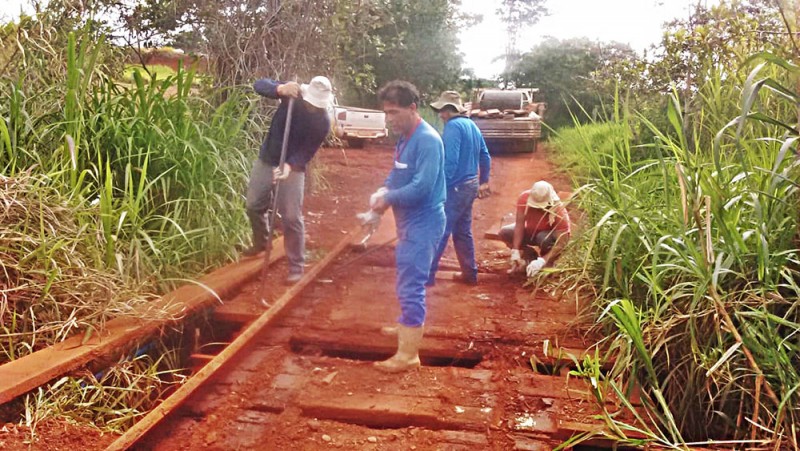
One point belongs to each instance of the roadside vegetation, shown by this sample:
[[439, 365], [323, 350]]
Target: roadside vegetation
[[119, 182], [692, 250]]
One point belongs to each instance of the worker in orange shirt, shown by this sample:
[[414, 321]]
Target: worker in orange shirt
[[541, 230]]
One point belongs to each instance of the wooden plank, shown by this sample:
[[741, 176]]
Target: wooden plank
[[352, 342], [482, 276], [22, 375], [394, 411], [246, 337]]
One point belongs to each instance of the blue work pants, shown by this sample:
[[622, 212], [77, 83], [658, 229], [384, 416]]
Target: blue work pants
[[416, 247], [458, 210]]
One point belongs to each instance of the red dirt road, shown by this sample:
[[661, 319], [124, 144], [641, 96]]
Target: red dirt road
[[309, 383]]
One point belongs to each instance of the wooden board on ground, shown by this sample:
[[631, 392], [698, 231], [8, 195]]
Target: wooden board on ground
[[339, 393], [25, 374], [247, 336]]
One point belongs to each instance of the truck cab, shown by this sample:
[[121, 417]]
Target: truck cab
[[355, 125]]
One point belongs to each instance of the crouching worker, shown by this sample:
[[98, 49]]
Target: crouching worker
[[541, 231], [415, 189]]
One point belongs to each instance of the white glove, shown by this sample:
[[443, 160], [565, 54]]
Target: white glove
[[370, 220], [370, 217], [517, 263], [278, 175], [373, 199], [535, 266]]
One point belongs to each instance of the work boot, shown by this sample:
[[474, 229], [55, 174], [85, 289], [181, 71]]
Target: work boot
[[293, 278], [389, 331], [407, 356], [460, 277], [253, 250]]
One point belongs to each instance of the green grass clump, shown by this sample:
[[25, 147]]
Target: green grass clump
[[693, 254], [112, 187], [112, 399]]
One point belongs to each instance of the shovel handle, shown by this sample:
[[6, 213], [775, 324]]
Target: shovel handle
[[274, 201]]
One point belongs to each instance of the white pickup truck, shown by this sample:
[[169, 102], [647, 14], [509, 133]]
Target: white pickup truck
[[357, 124]]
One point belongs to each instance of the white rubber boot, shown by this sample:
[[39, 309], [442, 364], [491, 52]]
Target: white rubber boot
[[390, 331], [409, 340]]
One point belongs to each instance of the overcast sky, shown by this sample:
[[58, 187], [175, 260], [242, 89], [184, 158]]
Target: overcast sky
[[635, 22], [9, 8]]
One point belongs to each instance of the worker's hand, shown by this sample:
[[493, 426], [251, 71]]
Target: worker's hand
[[535, 266], [380, 204], [370, 219], [517, 263], [290, 89], [484, 191], [278, 175], [373, 198]]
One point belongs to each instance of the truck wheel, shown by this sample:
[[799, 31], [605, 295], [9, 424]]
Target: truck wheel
[[355, 143]]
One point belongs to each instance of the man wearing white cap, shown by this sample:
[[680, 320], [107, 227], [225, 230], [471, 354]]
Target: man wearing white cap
[[541, 231], [309, 127]]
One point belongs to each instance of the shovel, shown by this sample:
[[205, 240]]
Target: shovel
[[274, 204]]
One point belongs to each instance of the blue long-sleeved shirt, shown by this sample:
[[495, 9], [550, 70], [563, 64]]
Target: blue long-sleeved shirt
[[465, 152], [309, 127], [416, 183]]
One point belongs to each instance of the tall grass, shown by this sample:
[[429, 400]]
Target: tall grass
[[694, 255], [110, 400], [138, 184]]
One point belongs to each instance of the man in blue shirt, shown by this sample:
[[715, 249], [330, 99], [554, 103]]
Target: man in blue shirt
[[466, 166], [415, 189], [309, 127]]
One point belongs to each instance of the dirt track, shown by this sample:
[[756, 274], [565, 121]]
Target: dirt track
[[309, 383]]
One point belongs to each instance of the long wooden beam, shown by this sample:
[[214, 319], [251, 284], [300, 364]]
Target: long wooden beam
[[134, 434], [120, 334]]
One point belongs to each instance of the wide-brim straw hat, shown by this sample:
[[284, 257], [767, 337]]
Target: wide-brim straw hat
[[542, 195], [318, 92], [449, 98]]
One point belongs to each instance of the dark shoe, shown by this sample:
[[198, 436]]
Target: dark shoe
[[253, 250], [293, 278], [459, 277]]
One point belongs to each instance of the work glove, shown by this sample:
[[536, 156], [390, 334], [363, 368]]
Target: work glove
[[370, 220], [369, 217], [517, 263], [373, 199], [278, 175], [535, 266], [484, 191]]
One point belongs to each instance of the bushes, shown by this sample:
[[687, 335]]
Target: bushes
[[694, 239], [142, 184]]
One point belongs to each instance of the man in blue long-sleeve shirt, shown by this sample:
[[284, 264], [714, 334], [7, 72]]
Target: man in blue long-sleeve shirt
[[309, 127], [466, 166], [415, 189]]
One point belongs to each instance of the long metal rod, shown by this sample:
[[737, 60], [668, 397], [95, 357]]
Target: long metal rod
[[274, 203]]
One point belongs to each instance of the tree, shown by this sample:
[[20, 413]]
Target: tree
[[420, 42], [517, 15], [564, 71]]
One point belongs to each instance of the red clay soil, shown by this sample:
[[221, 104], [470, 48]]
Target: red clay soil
[[310, 384]]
